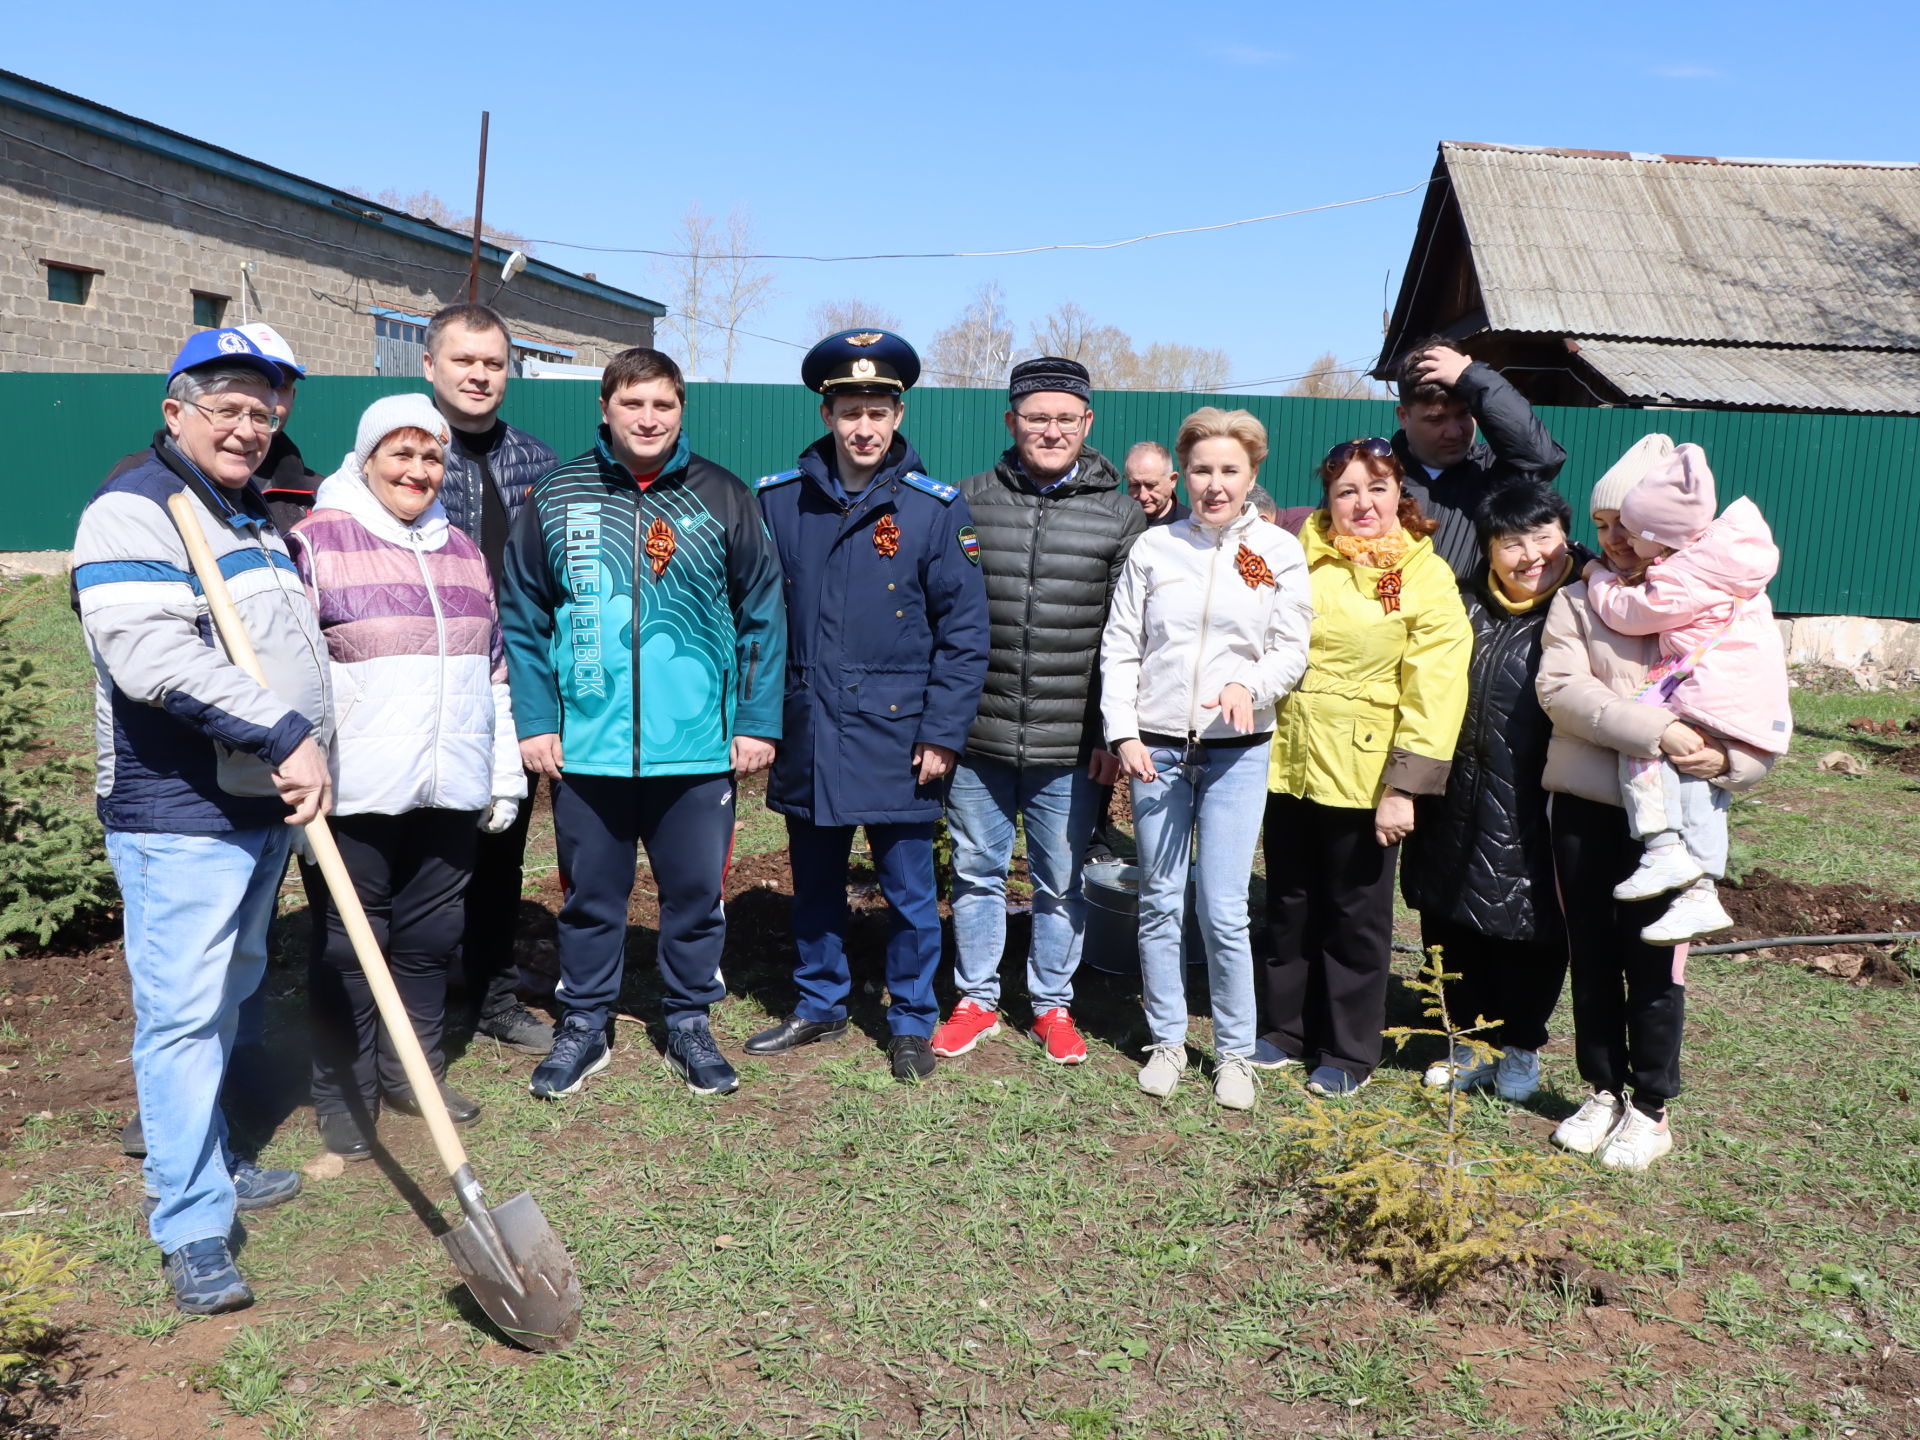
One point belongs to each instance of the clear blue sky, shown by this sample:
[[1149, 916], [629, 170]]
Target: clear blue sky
[[990, 125]]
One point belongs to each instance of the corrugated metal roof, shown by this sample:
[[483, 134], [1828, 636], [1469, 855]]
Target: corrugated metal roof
[[1692, 248], [1870, 382]]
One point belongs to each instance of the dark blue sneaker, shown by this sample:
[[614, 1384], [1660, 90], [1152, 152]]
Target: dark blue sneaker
[[205, 1280], [692, 1053], [253, 1188], [1269, 1056], [1332, 1082], [579, 1049]]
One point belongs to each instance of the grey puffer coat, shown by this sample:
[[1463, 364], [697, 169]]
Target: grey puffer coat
[[1480, 854], [1051, 562]]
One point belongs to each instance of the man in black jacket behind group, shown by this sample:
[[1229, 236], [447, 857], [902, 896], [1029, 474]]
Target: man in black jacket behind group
[[1446, 400], [1055, 523]]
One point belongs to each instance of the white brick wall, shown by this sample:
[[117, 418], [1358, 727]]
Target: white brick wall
[[316, 284]]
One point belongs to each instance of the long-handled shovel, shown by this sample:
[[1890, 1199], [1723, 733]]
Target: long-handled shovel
[[513, 1263]]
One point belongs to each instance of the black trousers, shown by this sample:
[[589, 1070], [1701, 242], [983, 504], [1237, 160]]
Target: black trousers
[[1330, 911], [1629, 1004], [1513, 982], [411, 873], [493, 915]]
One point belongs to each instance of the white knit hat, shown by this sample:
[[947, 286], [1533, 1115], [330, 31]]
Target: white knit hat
[[1610, 490], [397, 412]]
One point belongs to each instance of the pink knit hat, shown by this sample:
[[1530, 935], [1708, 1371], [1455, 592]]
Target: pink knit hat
[[1675, 502]]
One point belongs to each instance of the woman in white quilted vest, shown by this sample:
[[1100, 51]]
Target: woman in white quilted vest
[[424, 754], [1208, 630]]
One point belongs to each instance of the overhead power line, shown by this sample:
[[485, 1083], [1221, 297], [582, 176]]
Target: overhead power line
[[990, 254]]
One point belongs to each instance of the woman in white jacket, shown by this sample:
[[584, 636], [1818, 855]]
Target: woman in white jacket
[[1207, 631], [424, 752]]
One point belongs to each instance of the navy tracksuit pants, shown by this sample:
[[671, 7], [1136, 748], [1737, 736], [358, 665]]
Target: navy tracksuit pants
[[903, 857], [686, 823]]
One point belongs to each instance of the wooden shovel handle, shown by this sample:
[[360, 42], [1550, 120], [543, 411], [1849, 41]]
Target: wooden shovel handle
[[393, 1010]]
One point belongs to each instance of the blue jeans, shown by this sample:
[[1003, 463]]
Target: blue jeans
[[1221, 801], [197, 909], [903, 861], [1059, 804]]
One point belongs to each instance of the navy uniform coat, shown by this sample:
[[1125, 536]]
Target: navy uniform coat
[[883, 651]]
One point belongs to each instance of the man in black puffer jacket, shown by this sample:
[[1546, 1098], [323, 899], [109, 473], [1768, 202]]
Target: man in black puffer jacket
[[1479, 863], [1447, 401], [1054, 523], [490, 468]]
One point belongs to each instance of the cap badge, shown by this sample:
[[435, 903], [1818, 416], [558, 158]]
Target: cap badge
[[232, 344], [865, 338], [886, 537], [660, 545], [863, 370]]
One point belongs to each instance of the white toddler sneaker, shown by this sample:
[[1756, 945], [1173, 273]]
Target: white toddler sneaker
[[1163, 1069], [1636, 1142], [1661, 871], [1587, 1129], [1697, 912]]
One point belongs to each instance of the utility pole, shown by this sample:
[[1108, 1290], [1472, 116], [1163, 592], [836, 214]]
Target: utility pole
[[479, 205]]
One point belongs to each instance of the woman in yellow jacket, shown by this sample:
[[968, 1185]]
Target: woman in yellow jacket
[[1372, 724]]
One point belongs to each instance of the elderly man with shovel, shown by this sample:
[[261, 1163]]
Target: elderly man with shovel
[[202, 773]]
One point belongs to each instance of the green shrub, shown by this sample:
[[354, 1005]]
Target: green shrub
[[1403, 1183], [56, 872], [35, 1276]]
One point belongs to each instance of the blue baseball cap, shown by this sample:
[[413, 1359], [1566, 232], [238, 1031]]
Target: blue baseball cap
[[229, 347]]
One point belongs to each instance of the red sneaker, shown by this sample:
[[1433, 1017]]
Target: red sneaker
[[970, 1023], [1055, 1030]]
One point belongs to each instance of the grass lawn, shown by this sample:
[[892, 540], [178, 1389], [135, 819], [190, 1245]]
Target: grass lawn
[[1014, 1249]]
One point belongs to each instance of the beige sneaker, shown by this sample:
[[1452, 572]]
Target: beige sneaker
[[1586, 1130], [1233, 1082], [1636, 1142], [1162, 1070]]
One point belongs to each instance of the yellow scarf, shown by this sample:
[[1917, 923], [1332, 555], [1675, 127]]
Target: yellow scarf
[[1545, 597], [1384, 553]]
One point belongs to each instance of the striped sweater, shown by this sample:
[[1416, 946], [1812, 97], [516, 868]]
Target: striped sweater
[[422, 715]]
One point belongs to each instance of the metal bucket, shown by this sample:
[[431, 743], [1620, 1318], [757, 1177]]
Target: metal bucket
[[1112, 941]]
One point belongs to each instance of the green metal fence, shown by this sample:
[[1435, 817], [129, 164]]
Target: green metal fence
[[1842, 491]]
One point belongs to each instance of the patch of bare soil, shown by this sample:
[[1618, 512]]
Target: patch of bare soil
[[1764, 905], [66, 1022]]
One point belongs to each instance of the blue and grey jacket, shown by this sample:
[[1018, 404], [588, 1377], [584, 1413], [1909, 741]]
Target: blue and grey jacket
[[644, 627], [185, 741]]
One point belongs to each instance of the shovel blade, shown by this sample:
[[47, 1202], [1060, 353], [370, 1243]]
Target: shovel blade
[[534, 1297]]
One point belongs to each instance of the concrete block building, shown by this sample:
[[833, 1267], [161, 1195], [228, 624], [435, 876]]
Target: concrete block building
[[118, 237]]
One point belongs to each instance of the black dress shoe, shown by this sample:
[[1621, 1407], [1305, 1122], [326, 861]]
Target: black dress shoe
[[911, 1057], [793, 1032], [461, 1109], [344, 1136]]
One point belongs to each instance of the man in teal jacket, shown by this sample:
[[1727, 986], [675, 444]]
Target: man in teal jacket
[[646, 644]]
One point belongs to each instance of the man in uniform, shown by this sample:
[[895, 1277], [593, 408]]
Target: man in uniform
[[887, 651]]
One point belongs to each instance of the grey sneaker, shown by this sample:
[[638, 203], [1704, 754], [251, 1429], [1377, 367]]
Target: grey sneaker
[[1165, 1064]]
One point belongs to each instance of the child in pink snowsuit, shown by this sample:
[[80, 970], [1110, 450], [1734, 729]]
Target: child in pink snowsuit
[[1722, 671]]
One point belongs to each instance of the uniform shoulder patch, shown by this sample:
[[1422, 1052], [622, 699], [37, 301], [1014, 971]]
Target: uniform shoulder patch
[[945, 494], [969, 543], [767, 482]]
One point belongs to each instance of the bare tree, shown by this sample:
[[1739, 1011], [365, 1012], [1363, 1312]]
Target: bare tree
[[741, 285], [425, 205], [975, 351], [830, 317], [1328, 379], [690, 278], [1181, 367], [1072, 334]]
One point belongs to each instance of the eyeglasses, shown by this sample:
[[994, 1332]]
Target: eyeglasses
[[228, 417], [1372, 445], [1040, 424]]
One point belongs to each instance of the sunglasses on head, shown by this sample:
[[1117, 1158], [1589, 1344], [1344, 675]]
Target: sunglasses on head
[[1371, 445]]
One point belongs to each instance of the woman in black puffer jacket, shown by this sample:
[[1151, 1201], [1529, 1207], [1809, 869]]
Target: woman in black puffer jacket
[[1479, 863]]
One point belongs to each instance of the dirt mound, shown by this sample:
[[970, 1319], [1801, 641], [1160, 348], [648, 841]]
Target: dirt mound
[[1764, 904]]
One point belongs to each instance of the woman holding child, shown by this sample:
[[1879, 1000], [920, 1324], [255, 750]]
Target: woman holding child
[[1611, 699]]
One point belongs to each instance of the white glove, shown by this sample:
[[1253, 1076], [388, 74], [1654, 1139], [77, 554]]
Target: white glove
[[499, 815]]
